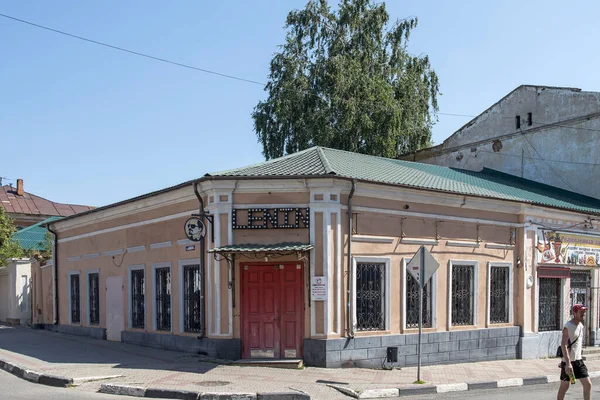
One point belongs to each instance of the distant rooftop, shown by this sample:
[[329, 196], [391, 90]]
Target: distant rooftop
[[16, 201]]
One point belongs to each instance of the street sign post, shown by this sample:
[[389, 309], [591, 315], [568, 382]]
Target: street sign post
[[422, 267]]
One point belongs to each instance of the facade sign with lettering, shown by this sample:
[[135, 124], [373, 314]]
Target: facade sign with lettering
[[566, 248], [318, 290], [271, 218]]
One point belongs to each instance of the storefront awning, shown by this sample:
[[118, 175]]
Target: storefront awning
[[262, 248], [554, 272]]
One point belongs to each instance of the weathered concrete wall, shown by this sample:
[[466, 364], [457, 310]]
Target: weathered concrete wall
[[436, 348], [555, 155]]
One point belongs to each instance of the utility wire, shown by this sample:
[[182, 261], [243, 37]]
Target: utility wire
[[207, 71], [134, 52]]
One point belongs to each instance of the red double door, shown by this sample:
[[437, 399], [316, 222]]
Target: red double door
[[272, 310]]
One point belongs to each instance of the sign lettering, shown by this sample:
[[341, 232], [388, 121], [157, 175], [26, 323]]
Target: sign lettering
[[270, 218], [319, 288]]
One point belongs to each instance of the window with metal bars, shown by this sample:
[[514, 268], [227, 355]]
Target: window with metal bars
[[370, 296], [193, 298], [412, 303], [75, 300], [138, 310], [94, 298], [462, 294], [499, 292], [163, 298], [549, 304]]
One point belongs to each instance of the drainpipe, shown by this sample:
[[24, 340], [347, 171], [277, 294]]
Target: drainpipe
[[202, 255], [350, 326], [54, 274]]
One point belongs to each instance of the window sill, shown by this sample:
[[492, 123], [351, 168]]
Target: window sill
[[464, 327], [162, 331], [411, 331], [371, 333], [500, 324]]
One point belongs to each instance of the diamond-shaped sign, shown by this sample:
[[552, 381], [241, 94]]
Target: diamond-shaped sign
[[424, 264]]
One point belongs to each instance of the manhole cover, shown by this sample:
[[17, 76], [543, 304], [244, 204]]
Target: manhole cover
[[213, 383]]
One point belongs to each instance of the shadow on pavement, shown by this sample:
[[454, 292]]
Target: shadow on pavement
[[58, 349]]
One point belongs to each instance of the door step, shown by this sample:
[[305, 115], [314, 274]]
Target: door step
[[270, 363]]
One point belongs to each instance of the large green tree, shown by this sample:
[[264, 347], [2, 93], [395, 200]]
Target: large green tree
[[9, 248], [344, 79]]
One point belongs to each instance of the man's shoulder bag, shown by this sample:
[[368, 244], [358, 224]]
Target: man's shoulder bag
[[559, 352]]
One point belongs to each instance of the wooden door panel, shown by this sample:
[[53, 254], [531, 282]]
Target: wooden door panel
[[254, 335], [261, 336], [290, 334], [292, 311], [272, 311]]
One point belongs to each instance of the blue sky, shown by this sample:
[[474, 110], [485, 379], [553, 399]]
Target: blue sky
[[88, 125]]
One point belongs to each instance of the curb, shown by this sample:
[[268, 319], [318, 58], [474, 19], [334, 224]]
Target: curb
[[35, 377], [449, 387], [137, 391]]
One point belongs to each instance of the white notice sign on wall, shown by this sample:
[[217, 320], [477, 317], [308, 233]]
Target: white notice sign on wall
[[318, 288]]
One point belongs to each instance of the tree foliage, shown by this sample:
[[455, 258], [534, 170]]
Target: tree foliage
[[344, 79], [9, 248]]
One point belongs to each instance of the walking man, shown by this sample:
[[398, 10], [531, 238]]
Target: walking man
[[572, 363]]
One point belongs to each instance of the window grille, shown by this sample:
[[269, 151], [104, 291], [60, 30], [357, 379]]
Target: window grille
[[75, 300], [499, 291], [462, 294], [370, 296], [94, 298], [163, 299], [138, 310], [193, 298], [412, 303], [549, 304]]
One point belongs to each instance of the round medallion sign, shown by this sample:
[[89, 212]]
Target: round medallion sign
[[194, 229]]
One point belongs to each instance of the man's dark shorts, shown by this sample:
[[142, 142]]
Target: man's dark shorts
[[579, 369]]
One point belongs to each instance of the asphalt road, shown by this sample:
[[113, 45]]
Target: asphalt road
[[13, 388], [532, 392]]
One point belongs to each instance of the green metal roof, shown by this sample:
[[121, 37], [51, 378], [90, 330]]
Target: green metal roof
[[261, 248], [320, 161], [33, 237]]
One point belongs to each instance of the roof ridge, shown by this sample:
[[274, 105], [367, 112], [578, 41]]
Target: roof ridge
[[372, 156], [326, 165], [262, 163]]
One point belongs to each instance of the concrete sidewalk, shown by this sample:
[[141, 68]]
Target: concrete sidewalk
[[83, 359]]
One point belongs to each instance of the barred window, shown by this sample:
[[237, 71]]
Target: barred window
[[163, 298], [412, 303], [549, 304], [138, 310], [499, 292], [462, 294], [370, 296], [193, 298], [94, 298], [75, 299]]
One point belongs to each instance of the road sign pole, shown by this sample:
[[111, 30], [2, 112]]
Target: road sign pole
[[421, 266]]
